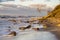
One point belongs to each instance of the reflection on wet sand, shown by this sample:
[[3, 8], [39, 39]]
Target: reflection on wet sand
[[57, 34]]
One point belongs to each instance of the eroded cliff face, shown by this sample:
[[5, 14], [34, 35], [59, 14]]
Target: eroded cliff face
[[55, 12], [53, 18]]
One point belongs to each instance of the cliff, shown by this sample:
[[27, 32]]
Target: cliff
[[53, 18]]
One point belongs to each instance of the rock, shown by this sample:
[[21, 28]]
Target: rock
[[36, 29], [23, 28], [29, 26], [13, 33]]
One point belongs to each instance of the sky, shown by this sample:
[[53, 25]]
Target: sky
[[28, 2], [8, 11]]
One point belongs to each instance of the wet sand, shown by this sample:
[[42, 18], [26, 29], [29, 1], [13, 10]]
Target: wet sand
[[57, 34]]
